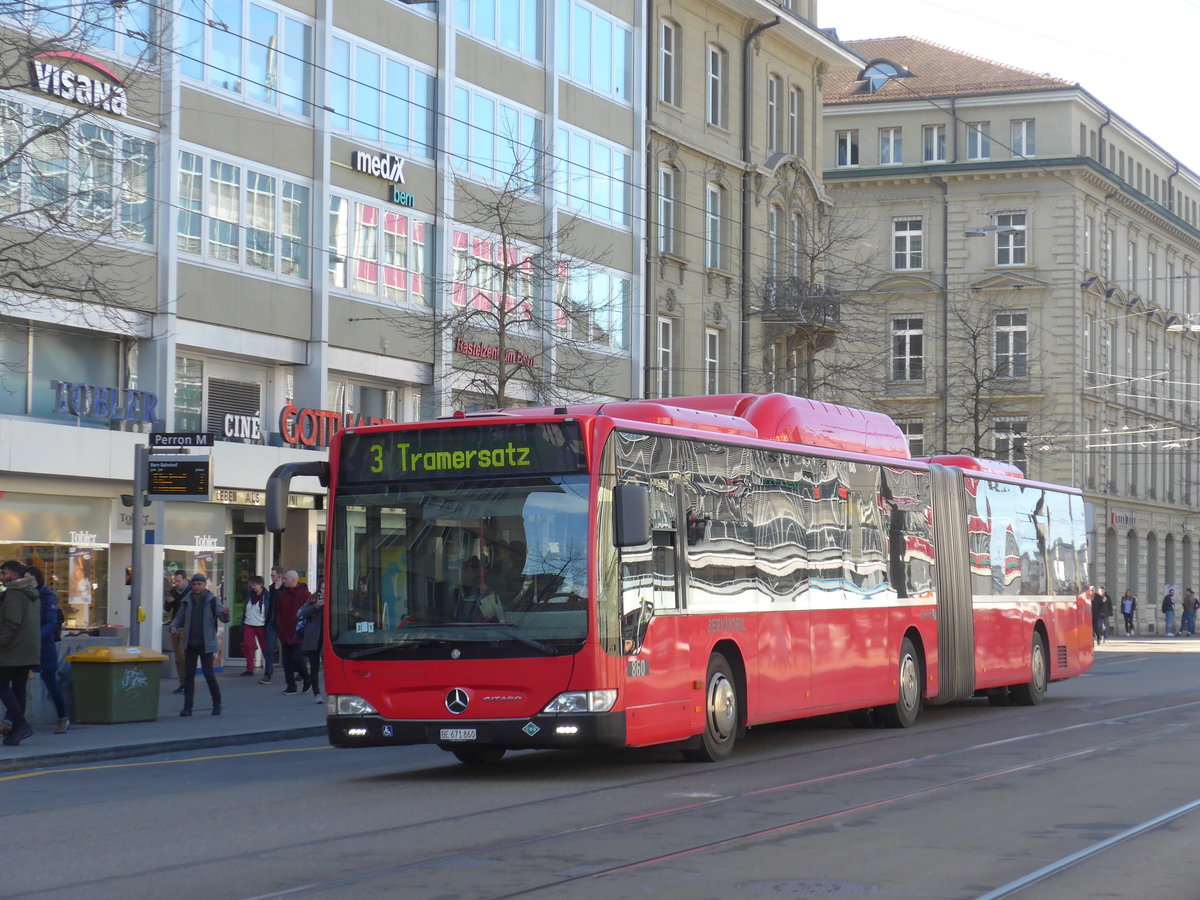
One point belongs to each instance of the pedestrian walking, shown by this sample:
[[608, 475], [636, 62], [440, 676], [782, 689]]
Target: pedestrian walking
[[1106, 610], [178, 590], [1128, 609], [51, 628], [312, 613], [254, 623], [1188, 624], [288, 601], [20, 645], [271, 627], [1097, 617], [197, 619], [1168, 609]]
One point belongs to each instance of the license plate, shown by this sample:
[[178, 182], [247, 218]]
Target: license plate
[[458, 734]]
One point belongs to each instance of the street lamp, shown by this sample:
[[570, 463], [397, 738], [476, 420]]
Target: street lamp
[[984, 230], [1186, 324]]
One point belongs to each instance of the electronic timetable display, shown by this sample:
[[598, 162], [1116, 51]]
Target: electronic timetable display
[[464, 451]]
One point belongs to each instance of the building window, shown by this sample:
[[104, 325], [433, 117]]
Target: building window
[[378, 252], [597, 305], [258, 51], [1010, 246], [494, 140], [126, 28], [774, 113], [510, 25], [914, 432], [380, 98], [798, 245], [66, 174], [714, 226], [189, 394], [596, 176], [1012, 345], [1089, 255], [847, 148], [361, 401], [979, 143], [933, 143], [668, 225], [666, 349], [908, 348], [1152, 276], [795, 121], [907, 245], [257, 221], [890, 148], [716, 100], [774, 222], [1023, 137], [593, 49], [1010, 438], [712, 361], [669, 63]]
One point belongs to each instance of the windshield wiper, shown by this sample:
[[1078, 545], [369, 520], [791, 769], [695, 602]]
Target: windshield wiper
[[547, 649], [392, 645]]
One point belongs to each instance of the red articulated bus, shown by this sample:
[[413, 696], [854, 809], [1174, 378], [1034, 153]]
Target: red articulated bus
[[677, 571]]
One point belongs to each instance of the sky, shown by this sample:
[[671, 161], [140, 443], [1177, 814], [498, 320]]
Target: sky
[[1138, 59]]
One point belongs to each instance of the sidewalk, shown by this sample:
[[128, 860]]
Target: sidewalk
[[250, 712]]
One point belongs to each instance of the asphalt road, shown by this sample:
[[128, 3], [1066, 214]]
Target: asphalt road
[[1092, 794]]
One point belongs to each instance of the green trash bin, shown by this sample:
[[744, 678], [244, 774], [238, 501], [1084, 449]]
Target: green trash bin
[[115, 684]]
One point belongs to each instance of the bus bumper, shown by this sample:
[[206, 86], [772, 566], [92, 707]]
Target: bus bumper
[[535, 733]]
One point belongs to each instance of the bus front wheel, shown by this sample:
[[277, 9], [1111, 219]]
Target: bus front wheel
[[720, 714], [903, 713]]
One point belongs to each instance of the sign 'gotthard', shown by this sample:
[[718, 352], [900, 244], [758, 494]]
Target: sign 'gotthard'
[[315, 427], [57, 74]]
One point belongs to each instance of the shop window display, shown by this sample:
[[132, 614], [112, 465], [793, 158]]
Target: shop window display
[[78, 576]]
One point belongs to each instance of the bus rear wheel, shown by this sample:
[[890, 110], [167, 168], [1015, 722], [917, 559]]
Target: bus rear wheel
[[1033, 692], [903, 713], [481, 755], [720, 714]]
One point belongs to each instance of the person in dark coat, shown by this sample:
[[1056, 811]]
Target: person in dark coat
[[197, 620], [272, 632], [51, 633], [20, 645], [179, 589], [288, 601], [312, 613]]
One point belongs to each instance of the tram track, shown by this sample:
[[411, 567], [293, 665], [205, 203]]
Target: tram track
[[741, 804]]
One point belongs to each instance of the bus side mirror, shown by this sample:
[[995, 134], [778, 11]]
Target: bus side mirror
[[277, 490], [632, 515]]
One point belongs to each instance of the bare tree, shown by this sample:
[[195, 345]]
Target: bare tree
[[70, 181], [529, 299], [812, 300], [989, 378]]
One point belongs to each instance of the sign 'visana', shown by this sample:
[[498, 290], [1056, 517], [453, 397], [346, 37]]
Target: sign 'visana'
[[57, 74]]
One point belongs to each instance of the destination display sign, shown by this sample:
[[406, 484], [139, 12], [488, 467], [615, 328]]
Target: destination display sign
[[460, 452], [179, 478]]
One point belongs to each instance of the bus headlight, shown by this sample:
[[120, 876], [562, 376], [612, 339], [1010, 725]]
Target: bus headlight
[[348, 705], [582, 702]]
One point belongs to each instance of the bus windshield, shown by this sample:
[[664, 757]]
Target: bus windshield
[[472, 568]]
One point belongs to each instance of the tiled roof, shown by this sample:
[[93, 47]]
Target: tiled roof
[[937, 71]]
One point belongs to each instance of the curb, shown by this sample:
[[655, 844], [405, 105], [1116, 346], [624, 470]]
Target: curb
[[127, 751]]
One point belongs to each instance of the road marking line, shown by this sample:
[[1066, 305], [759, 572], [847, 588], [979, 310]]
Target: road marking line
[[160, 762]]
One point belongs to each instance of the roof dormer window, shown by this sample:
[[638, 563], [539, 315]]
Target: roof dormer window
[[879, 73]]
